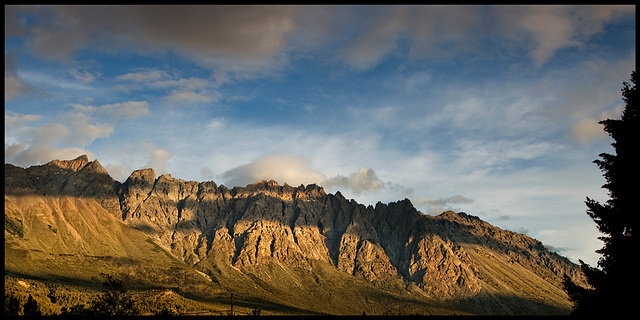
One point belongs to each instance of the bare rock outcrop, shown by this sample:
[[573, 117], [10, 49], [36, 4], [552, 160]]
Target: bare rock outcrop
[[264, 222], [263, 229], [75, 178]]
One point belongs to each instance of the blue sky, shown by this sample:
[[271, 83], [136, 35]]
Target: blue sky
[[491, 110]]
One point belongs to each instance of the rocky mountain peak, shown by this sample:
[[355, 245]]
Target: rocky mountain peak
[[74, 165], [285, 192], [65, 178], [143, 175], [460, 217], [96, 167]]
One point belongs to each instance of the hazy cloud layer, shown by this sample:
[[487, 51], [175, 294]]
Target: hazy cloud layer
[[246, 32], [65, 136], [258, 33]]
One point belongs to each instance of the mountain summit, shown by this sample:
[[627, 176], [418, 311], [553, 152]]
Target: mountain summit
[[298, 248]]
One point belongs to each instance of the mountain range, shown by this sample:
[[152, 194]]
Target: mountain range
[[196, 246]]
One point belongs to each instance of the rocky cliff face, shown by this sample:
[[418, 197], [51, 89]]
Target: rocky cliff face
[[389, 244], [74, 178], [453, 256], [64, 209]]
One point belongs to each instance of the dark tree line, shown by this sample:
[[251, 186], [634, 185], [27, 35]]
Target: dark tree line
[[115, 300], [12, 306], [614, 283]]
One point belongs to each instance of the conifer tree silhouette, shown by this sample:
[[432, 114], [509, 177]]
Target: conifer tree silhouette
[[115, 299], [617, 277], [31, 307]]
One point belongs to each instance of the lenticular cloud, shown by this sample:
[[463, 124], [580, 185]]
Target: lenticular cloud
[[283, 169], [295, 171]]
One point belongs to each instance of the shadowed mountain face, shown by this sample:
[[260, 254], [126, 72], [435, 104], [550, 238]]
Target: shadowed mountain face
[[296, 246]]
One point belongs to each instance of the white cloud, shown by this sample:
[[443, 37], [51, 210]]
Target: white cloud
[[216, 124], [428, 31], [50, 133], [440, 205], [185, 90], [145, 75], [13, 86], [364, 180], [50, 82], [579, 241], [86, 132], [589, 129], [178, 96], [436, 31], [38, 145], [296, 171], [84, 76], [206, 173], [547, 29], [283, 169], [25, 155], [129, 109], [64, 137], [158, 157], [116, 172], [192, 83], [14, 120]]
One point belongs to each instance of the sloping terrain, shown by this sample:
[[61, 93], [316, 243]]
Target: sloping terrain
[[281, 249]]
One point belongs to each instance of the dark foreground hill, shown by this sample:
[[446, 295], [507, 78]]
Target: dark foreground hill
[[277, 249]]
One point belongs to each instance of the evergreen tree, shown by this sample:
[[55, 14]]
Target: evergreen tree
[[11, 305], [31, 307], [616, 278], [115, 300]]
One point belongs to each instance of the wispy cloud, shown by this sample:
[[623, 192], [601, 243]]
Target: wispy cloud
[[420, 26], [157, 157], [84, 76], [440, 205], [129, 109], [14, 120], [13, 86], [51, 82], [547, 29], [37, 145], [145, 75], [177, 91], [66, 136]]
